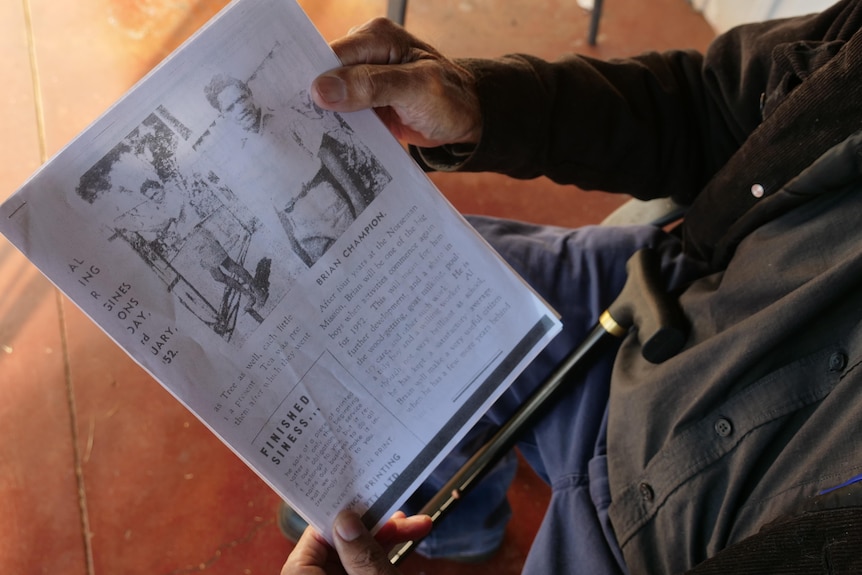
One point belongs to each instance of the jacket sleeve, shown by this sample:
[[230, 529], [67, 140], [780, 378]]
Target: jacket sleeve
[[654, 125], [599, 125]]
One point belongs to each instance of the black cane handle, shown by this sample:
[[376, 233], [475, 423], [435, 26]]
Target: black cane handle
[[662, 328]]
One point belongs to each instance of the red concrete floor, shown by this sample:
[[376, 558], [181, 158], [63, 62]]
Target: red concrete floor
[[101, 471]]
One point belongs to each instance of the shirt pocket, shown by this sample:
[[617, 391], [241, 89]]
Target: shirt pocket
[[683, 480]]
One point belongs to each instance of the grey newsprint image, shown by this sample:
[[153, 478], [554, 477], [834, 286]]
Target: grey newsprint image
[[288, 274]]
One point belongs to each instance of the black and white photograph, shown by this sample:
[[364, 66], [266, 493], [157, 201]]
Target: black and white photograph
[[317, 176], [191, 230]]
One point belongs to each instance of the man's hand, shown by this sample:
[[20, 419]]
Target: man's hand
[[424, 98], [356, 551]]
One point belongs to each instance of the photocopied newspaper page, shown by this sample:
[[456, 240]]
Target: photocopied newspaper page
[[288, 274]]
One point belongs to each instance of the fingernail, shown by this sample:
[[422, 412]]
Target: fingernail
[[331, 89], [349, 526]]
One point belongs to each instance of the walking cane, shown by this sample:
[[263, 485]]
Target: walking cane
[[661, 330]]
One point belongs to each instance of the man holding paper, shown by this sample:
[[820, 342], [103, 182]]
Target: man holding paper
[[656, 468]]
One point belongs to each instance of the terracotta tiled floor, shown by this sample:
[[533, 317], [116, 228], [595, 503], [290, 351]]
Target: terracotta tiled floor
[[101, 471]]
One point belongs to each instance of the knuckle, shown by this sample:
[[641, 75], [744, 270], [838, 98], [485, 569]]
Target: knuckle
[[377, 25], [364, 84]]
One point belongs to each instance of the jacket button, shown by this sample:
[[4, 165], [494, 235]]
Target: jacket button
[[757, 190], [723, 427], [837, 362], [646, 491]]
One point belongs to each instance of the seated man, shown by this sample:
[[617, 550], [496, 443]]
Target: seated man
[[655, 468]]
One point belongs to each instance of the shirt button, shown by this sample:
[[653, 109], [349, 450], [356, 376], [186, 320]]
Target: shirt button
[[647, 494], [723, 427], [837, 362]]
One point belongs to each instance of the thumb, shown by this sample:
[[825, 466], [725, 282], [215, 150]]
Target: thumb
[[359, 552]]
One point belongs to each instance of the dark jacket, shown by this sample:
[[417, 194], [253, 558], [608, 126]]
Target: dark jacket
[[761, 410], [675, 124]]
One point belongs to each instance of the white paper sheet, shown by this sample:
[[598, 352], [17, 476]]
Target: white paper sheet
[[288, 274]]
